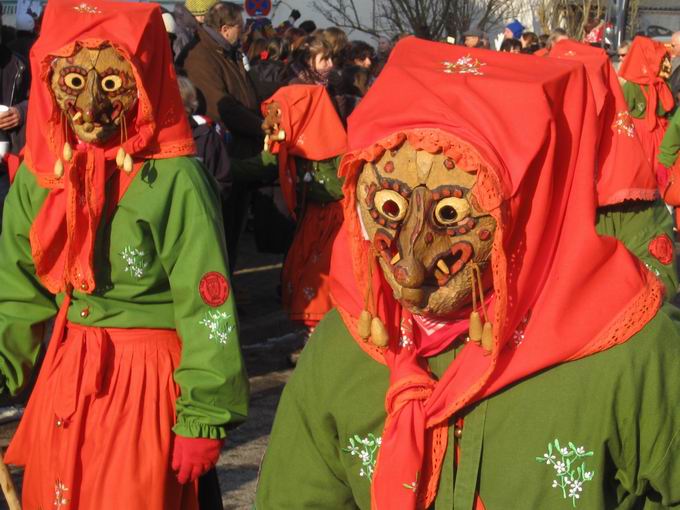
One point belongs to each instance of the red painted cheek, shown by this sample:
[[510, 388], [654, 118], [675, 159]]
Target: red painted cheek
[[484, 235]]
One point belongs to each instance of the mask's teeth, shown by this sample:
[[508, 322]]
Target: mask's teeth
[[441, 265]]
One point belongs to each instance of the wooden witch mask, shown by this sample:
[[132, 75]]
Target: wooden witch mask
[[431, 236], [94, 88]]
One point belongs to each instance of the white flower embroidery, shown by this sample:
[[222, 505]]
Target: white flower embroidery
[[220, 325], [366, 450], [623, 124], [570, 469], [84, 8], [60, 490], [134, 261], [464, 65]]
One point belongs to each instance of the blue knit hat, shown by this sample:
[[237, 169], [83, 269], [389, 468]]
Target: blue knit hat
[[516, 28]]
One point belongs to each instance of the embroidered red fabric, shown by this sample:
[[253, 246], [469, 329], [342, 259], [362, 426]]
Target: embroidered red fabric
[[623, 171]]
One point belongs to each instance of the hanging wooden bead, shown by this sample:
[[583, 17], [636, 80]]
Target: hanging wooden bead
[[487, 337], [379, 335], [476, 329], [364, 324], [127, 164], [58, 169], [67, 152], [120, 157]]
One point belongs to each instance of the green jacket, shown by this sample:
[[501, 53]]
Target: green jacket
[[637, 224], [637, 103], [165, 234], [668, 150], [595, 434]]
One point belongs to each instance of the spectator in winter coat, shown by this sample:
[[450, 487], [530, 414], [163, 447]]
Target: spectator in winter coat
[[14, 85], [226, 94], [188, 17]]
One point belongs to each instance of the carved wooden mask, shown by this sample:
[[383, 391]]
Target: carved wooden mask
[[94, 88], [418, 212]]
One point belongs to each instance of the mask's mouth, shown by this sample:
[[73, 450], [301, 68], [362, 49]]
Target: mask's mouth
[[446, 265]]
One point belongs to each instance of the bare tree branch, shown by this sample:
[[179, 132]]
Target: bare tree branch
[[430, 19]]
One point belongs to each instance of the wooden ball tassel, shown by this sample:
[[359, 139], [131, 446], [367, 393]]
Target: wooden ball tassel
[[379, 335], [67, 153], [476, 329], [58, 169], [127, 164], [487, 338], [120, 157], [364, 324]]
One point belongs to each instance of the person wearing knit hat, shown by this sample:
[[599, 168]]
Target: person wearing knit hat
[[513, 30], [199, 8], [488, 349]]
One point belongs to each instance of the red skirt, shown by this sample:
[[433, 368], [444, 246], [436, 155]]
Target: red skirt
[[97, 430], [305, 283]]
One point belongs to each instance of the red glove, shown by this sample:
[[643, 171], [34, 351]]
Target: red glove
[[662, 175], [192, 457]]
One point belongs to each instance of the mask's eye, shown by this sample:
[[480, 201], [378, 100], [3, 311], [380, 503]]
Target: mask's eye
[[391, 204], [451, 210], [74, 81], [111, 83]]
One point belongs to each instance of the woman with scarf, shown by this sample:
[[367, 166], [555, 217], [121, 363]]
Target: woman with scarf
[[115, 229], [488, 348], [650, 102]]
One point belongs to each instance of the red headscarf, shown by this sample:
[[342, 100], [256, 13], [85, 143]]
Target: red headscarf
[[63, 233], [623, 170], [313, 131], [552, 274], [641, 66]]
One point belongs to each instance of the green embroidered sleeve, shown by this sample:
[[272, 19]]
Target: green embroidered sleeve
[[637, 224], [24, 304], [668, 151], [190, 245], [637, 103]]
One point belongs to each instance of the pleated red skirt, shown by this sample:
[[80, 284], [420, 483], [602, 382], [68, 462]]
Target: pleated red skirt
[[305, 282], [96, 433]]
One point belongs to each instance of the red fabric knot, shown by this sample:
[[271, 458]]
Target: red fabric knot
[[414, 387]]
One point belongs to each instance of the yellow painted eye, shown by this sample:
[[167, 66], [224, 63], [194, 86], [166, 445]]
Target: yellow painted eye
[[111, 83], [391, 204], [75, 81], [451, 210]]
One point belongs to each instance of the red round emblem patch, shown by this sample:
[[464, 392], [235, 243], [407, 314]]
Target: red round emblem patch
[[214, 289], [662, 249]]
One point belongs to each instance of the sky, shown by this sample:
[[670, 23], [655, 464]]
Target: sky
[[309, 12]]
